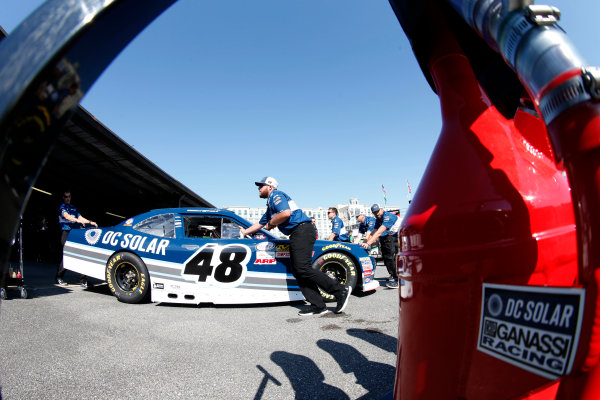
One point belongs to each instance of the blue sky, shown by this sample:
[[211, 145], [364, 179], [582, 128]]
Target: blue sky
[[326, 96]]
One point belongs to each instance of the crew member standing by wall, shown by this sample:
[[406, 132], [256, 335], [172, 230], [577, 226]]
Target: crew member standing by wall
[[386, 230], [338, 231], [282, 212], [69, 218]]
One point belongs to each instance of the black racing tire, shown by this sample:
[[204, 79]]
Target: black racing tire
[[128, 278], [338, 266]]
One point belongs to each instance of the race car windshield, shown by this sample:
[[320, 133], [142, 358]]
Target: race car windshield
[[162, 225]]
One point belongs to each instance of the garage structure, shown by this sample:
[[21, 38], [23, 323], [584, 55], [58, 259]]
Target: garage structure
[[108, 179]]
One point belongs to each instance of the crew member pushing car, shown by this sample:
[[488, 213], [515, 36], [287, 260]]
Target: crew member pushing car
[[386, 230], [69, 218], [366, 227], [338, 231], [283, 213]]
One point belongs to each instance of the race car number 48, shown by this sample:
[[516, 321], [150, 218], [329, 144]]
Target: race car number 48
[[223, 266]]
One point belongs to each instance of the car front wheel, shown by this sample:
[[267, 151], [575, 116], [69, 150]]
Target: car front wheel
[[127, 277], [338, 266]]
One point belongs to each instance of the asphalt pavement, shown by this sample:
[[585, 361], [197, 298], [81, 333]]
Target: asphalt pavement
[[75, 343]]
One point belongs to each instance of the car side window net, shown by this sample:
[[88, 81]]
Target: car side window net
[[159, 225], [202, 227]]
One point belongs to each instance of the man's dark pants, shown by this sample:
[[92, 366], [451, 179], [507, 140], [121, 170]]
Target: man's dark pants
[[302, 240], [60, 273], [389, 248]]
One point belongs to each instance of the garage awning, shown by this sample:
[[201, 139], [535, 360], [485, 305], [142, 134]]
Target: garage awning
[[107, 175], [109, 179]]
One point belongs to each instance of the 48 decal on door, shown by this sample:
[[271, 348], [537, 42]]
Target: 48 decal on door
[[214, 265]]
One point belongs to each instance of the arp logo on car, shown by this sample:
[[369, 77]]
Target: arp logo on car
[[534, 328]]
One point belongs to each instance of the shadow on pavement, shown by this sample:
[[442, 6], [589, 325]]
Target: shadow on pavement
[[263, 384], [365, 294], [306, 378], [375, 377], [39, 281], [376, 337]]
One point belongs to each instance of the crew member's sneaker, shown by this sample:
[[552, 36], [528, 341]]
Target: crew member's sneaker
[[84, 283], [392, 284], [313, 310], [342, 299], [60, 282]]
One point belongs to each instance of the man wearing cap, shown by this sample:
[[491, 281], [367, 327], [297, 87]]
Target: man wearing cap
[[338, 231], [283, 213], [386, 230], [365, 227], [69, 218]]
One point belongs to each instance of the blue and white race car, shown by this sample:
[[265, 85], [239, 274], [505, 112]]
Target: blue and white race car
[[198, 255]]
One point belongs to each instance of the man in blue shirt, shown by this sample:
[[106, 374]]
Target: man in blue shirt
[[365, 227], [283, 213], [386, 230], [69, 218], [338, 231]]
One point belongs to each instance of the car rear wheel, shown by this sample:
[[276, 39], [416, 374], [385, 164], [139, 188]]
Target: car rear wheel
[[338, 266], [127, 277]]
